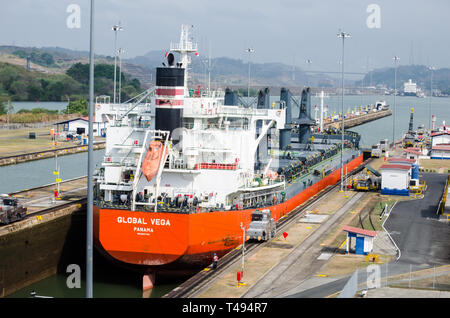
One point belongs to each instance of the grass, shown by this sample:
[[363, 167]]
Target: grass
[[26, 118], [16, 141], [434, 165]]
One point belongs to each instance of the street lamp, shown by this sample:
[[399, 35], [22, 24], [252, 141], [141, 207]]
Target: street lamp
[[309, 62], [90, 194], [243, 247], [119, 53], [342, 35], [431, 68], [395, 58], [115, 28], [249, 51]]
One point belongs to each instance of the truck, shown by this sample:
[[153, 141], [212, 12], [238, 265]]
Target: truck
[[376, 151], [263, 226], [10, 209]]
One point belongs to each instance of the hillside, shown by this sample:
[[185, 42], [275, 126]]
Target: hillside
[[224, 71], [16, 83], [229, 71], [419, 74], [56, 60]]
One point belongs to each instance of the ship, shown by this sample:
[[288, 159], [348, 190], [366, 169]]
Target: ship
[[182, 174], [410, 88]]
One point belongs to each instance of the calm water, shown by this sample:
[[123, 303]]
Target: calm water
[[372, 132], [40, 172], [47, 105], [113, 282]]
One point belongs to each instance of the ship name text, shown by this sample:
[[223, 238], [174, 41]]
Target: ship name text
[[134, 220]]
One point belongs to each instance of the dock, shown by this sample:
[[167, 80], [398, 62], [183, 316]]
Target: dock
[[14, 159], [16, 146], [357, 120], [314, 235]]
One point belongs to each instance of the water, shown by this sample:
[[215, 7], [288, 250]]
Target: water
[[373, 132], [40, 172], [30, 105], [110, 281]]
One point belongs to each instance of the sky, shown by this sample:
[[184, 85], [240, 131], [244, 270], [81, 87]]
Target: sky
[[287, 31]]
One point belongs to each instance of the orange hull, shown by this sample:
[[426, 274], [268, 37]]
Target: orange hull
[[172, 240]]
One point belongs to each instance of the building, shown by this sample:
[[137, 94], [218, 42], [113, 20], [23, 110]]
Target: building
[[395, 179], [413, 153], [363, 242], [440, 152], [80, 126], [398, 160], [440, 144], [440, 138]]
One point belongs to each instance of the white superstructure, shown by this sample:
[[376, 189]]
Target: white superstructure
[[410, 88], [213, 162]]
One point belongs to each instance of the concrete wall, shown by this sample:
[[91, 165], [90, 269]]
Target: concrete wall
[[47, 154], [36, 249]]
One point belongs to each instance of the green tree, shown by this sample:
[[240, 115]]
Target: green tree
[[128, 92], [77, 107], [19, 88], [2, 108], [35, 92], [56, 90]]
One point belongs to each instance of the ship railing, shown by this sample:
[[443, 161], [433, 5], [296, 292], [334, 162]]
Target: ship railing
[[216, 166], [126, 161], [216, 126], [184, 46], [244, 111]]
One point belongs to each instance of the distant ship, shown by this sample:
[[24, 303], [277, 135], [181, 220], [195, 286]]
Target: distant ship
[[409, 88], [182, 175]]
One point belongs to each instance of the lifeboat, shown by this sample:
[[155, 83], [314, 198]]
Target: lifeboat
[[152, 160]]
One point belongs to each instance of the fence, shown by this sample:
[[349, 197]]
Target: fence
[[397, 275]]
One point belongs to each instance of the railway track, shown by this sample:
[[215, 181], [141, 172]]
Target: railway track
[[206, 276], [46, 186], [71, 198]]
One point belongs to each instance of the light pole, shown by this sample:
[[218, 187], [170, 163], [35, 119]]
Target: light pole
[[249, 51], [243, 247], [115, 28], [119, 53], [342, 35], [431, 68], [309, 62], [90, 194], [395, 58]]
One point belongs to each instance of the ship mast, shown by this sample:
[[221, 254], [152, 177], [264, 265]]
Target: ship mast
[[184, 48]]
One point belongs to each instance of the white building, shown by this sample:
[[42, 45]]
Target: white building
[[413, 153], [440, 145], [395, 179], [80, 126], [440, 152], [440, 138], [363, 243]]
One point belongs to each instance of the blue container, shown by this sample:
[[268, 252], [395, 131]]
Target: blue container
[[415, 171]]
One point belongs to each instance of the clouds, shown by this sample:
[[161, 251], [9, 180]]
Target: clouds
[[284, 30]]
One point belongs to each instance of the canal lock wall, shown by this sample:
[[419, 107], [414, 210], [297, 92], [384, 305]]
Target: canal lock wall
[[41, 246]]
